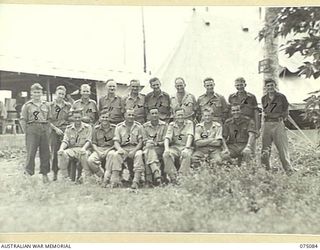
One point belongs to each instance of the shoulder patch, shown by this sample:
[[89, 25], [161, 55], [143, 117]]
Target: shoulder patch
[[228, 120]]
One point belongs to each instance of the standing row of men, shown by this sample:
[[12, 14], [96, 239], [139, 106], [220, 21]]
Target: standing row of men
[[135, 131]]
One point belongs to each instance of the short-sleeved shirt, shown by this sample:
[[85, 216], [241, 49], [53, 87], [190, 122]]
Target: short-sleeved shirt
[[179, 136], [115, 107], [138, 104], [161, 102], [247, 101], [217, 103], [128, 136], [77, 137], [36, 112], [188, 103], [89, 109], [155, 133], [237, 130], [103, 137], [276, 107], [60, 114]]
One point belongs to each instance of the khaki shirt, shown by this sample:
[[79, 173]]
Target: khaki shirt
[[214, 132], [154, 133], [161, 102], [115, 107], [179, 136], [36, 113], [77, 138], [277, 107], [102, 137], [89, 109], [138, 104], [188, 103], [60, 114], [247, 101], [237, 131], [217, 103], [128, 136]]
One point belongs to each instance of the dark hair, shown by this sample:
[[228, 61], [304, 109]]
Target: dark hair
[[207, 110], [269, 80], [154, 79], [131, 109], [208, 79], [76, 111], [240, 79]]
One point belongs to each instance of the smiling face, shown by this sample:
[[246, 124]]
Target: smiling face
[[85, 92], [240, 86], [179, 115], [129, 115], [135, 87], [77, 118], [36, 94], [60, 93], [271, 87], [209, 85], [180, 85], [235, 111], [154, 115], [155, 85], [207, 116], [111, 87]]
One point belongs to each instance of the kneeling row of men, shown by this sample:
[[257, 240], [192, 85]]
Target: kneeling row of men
[[153, 149]]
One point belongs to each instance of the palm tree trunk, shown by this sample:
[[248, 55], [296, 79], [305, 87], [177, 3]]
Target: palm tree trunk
[[271, 45]]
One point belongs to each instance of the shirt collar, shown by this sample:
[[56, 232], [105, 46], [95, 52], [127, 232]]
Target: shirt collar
[[161, 93], [214, 94], [103, 129], [131, 97], [184, 124], [81, 127], [64, 103]]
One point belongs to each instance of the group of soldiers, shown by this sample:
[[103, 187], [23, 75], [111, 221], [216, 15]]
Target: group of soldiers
[[150, 139]]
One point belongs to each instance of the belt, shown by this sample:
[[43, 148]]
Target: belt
[[33, 122], [279, 119]]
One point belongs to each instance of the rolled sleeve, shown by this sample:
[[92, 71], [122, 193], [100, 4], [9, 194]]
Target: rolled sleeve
[[117, 136], [197, 134], [66, 138], [190, 129], [251, 127], [89, 135], [219, 133], [169, 133]]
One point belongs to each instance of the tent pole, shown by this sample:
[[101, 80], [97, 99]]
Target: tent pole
[[144, 43], [48, 90]]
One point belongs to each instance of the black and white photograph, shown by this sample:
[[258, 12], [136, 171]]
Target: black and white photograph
[[169, 119]]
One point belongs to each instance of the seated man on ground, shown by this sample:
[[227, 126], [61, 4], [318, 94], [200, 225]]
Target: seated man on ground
[[239, 133], [208, 141], [76, 141], [177, 146], [128, 140], [102, 144], [154, 133]]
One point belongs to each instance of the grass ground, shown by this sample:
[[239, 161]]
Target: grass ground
[[222, 200]]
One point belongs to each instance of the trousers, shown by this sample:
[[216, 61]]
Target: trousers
[[37, 136], [275, 132], [173, 155]]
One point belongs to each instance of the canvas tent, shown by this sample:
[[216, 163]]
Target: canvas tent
[[224, 48]]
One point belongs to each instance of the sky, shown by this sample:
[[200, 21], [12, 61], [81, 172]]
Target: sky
[[98, 36], [84, 37]]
